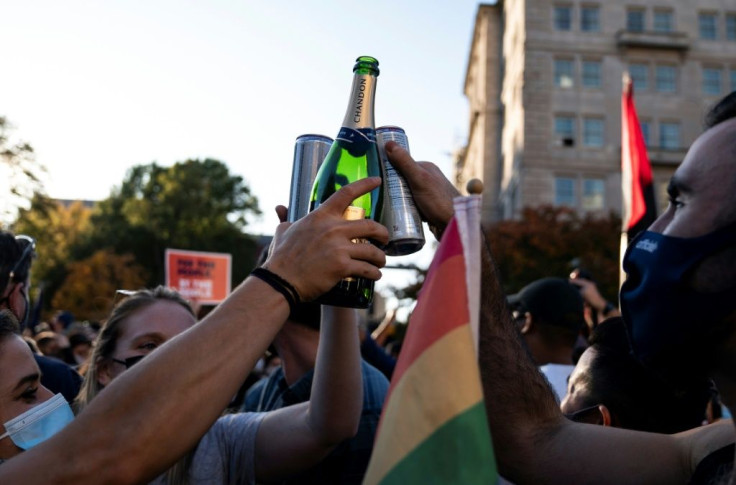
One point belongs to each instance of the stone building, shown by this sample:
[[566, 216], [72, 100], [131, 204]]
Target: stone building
[[544, 82]]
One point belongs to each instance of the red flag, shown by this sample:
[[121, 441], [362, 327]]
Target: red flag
[[639, 207]]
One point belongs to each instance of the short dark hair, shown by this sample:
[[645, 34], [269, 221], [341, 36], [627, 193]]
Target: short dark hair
[[638, 398], [723, 110], [8, 324]]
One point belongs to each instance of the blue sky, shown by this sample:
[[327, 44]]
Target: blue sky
[[99, 86]]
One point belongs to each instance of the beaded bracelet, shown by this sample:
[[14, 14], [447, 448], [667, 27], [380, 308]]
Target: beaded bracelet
[[279, 284]]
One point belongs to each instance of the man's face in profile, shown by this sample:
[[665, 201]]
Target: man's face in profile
[[702, 190]]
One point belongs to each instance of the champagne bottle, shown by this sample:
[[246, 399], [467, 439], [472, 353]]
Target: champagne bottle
[[353, 156]]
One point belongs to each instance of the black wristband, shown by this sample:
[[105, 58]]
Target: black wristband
[[279, 284]]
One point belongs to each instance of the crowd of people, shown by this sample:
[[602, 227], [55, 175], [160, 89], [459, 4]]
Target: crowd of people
[[578, 390]]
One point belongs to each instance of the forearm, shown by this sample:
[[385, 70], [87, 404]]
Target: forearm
[[337, 389], [535, 443], [332, 413], [171, 398], [519, 402]]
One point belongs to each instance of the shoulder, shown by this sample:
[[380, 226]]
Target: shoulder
[[701, 442], [375, 384], [231, 429]]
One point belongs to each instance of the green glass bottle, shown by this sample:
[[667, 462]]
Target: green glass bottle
[[353, 156]]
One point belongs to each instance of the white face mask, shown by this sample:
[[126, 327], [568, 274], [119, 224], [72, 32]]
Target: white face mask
[[39, 423]]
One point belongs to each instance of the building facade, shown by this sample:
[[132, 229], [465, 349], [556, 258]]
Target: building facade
[[544, 82]]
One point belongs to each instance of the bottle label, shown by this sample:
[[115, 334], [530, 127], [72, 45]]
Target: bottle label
[[357, 142], [353, 213]]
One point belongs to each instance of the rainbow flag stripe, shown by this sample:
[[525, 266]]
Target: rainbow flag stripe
[[433, 427]]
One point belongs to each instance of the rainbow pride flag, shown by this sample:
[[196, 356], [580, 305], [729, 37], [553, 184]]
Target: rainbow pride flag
[[433, 427]]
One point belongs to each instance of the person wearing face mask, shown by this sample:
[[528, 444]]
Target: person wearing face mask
[[16, 258], [679, 305], [240, 447], [30, 413], [154, 412]]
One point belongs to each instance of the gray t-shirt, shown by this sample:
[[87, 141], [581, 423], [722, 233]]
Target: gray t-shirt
[[225, 453]]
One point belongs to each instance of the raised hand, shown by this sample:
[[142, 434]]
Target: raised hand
[[317, 251], [432, 192]]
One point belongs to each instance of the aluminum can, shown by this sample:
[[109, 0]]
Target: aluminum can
[[309, 153], [399, 213]]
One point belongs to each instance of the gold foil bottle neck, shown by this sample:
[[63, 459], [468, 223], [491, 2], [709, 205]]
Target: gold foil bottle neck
[[353, 213]]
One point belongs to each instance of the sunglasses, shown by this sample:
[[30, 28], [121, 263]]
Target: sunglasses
[[30, 249], [130, 361], [121, 296]]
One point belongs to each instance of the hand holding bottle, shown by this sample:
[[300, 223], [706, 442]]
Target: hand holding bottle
[[432, 192], [317, 251]]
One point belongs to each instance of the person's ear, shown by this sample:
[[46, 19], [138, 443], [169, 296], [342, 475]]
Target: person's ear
[[104, 375], [605, 415], [528, 324]]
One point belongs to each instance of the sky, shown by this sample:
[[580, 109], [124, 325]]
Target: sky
[[99, 86]]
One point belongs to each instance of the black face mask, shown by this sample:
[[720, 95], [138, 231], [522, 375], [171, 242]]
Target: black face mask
[[667, 320]]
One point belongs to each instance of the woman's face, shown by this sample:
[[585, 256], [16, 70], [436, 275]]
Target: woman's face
[[20, 387], [143, 332]]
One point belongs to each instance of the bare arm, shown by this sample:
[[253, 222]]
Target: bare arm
[[150, 416], [294, 438], [533, 442], [536, 443]]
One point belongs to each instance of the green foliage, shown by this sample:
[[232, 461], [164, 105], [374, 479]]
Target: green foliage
[[195, 205], [57, 229], [20, 172], [85, 254]]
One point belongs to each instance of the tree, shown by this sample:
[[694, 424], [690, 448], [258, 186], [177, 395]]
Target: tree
[[57, 228], [19, 170], [90, 286], [195, 205], [546, 241]]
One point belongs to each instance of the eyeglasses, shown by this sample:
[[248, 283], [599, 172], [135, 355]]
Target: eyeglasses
[[585, 415], [30, 249], [130, 361]]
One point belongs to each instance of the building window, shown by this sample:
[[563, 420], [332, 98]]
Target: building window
[[564, 73], [639, 75], [591, 74], [593, 132], [563, 17], [593, 194], [707, 25], [635, 20], [565, 130], [731, 26], [589, 19], [669, 135], [645, 130], [666, 79], [664, 21], [711, 81], [565, 191]]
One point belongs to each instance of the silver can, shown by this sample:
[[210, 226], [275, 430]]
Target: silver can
[[399, 213], [309, 153]]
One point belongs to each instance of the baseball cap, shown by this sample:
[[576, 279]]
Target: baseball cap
[[553, 301]]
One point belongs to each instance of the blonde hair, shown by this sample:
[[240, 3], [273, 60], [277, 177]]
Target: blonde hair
[[106, 343], [107, 339]]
